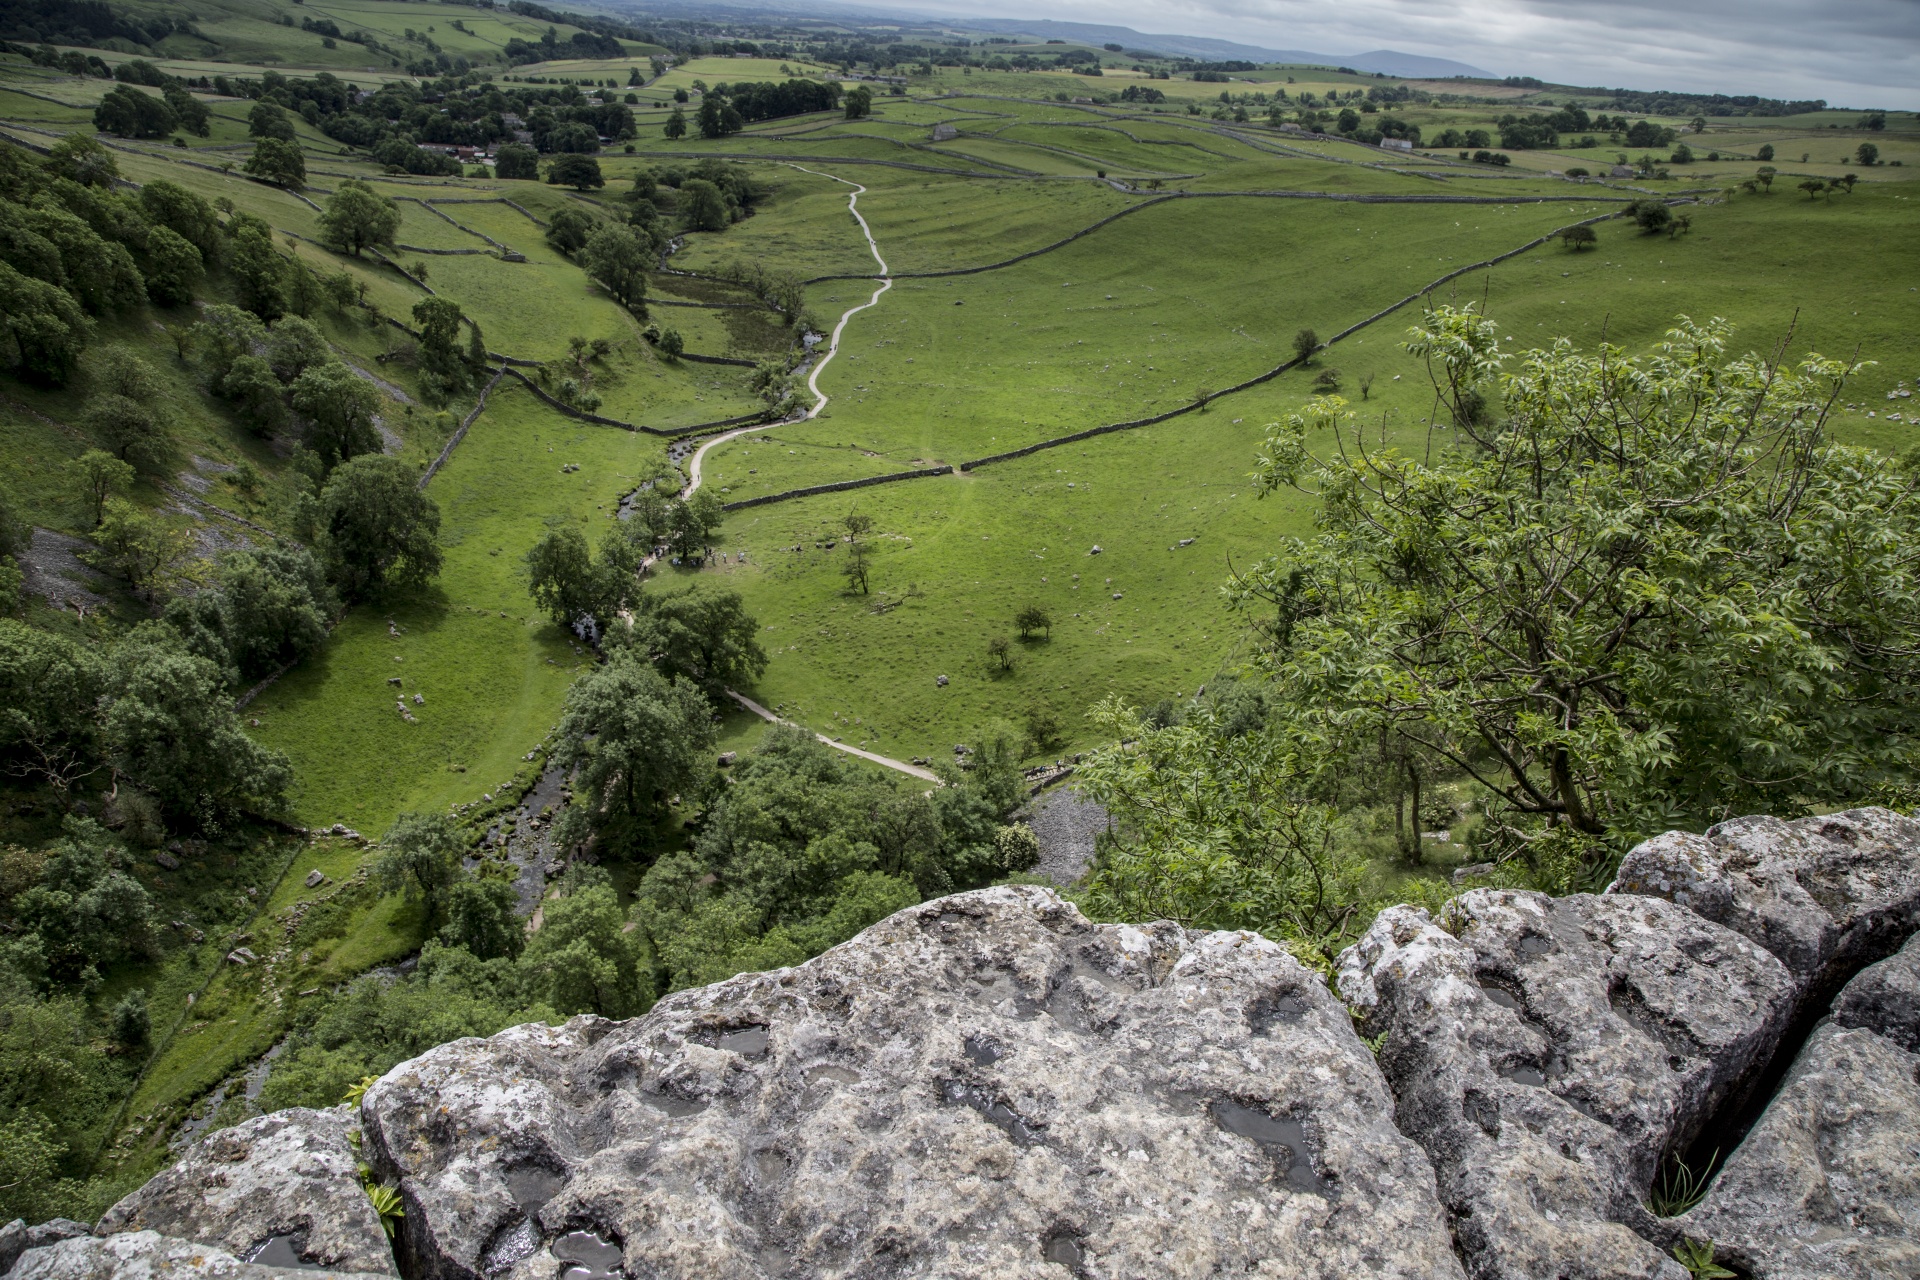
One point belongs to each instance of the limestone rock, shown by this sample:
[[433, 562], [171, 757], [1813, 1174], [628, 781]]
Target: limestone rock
[[1823, 894], [983, 1085], [148, 1255], [1885, 998], [1551, 1053], [54, 1230], [290, 1173], [13, 1242], [1827, 1185]]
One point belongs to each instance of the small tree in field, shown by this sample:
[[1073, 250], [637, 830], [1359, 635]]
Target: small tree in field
[[1000, 649], [1867, 154], [1652, 216], [358, 217], [1578, 238], [859, 554], [1305, 344], [1033, 618]]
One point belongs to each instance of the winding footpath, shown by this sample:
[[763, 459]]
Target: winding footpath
[[694, 474]]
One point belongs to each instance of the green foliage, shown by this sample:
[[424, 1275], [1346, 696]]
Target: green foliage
[[172, 729], [83, 913], [635, 739], [339, 407], [139, 546], [96, 476], [1697, 1257], [1679, 1188], [266, 607], [173, 267], [42, 328], [443, 367], [380, 529], [573, 587], [585, 960], [267, 120], [696, 631], [517, 160], [1223, 830], [50, 687], [357, 217], [702, 208], [480, 919], [1652, 216], [420, 856], [130, 1024], [278, 162], [568, 230], [388, 1204], [1652, 594], [127, 112], [618, 259], [580, 172]]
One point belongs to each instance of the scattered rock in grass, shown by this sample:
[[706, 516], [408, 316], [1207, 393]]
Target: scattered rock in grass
[[941, 681], [316, 878], [166, 860], [242, 956]]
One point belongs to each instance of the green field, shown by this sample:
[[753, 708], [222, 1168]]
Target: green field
[[1234, 237]]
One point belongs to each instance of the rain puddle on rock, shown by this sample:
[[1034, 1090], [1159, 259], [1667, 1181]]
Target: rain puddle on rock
[[1016, 1127], [678, 1108], [1523, 1073], [1062, 1247], [981, 1051], [1500, 997], [586, 1256], [748, 1042], [1285, 1140], [1535, 945], [1268, 1010], [531, 1186], [282, 1251]]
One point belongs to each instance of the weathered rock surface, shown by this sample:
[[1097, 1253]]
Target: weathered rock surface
[[288, 1174], [985, 1085], [1885, 998], [1546, 1053], [1825, 895], [1827, 1185], [148, 1255]]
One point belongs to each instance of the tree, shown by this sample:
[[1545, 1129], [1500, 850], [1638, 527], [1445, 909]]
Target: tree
[[380, 529], [1765, 175], [137, 545], [560, 575], [268, 120], [1867, 154], [1765, 153], [420, 857], [702, 207], [1653, 216], [518, 161], [357, 217], [690, 524], [129, 113], [172, 729], [295, 346], [617, 259], [584, 959], [568, 230], [480, 918], [701, 633], [189, 111], [277, 162], [671, 344], [1627, 606], [1814, 187], [42, 329], [859, 103], [339, 407], [576, 171], [129, 1024], [676, 125], [1033, 618], [251, 385], [118, 415], [634, 738], [857, 567], [97, 476], [443, 368], [1000, 649], [1306, 344], [260, 274], [276, 605], [51, 688], [81, 159]]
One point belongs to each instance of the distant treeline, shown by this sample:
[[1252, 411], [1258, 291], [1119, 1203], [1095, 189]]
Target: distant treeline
[[83, 22]]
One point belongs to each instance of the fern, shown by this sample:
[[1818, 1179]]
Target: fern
[[1697, 1257]]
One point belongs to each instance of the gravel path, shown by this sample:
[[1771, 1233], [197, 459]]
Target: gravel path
[[1067, 823]]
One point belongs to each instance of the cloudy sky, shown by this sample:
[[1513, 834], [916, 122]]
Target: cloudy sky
[[1856, 53]]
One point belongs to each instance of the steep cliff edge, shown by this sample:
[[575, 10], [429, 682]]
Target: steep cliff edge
[[991, 1085]]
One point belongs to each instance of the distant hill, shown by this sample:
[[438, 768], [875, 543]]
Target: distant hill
[[1386, 61], [1389, 61]]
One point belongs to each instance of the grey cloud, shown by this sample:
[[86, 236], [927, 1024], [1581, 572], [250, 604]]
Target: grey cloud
[[1857, 54]]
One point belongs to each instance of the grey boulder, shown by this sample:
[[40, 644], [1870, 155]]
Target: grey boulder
[[148, 1255], [1827, 1184], [288, 1174], [1547, 1052], [982, 1085], [1885, 998], [1824, 894]]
